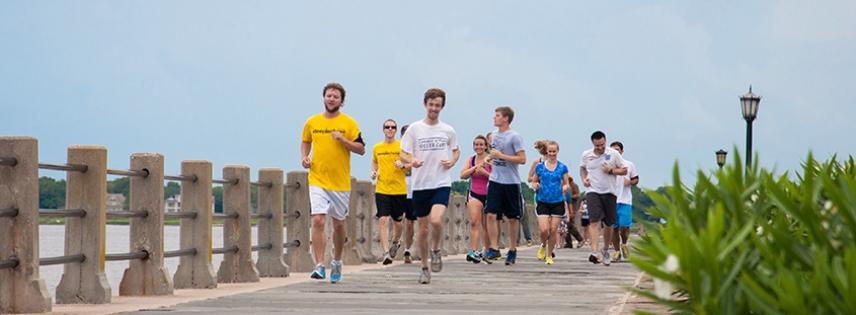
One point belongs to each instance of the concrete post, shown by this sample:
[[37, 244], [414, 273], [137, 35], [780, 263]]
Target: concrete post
[[196, 271], [533, 224], [366, 237], [85, 282], [147, 277], [362, 198], [299, 259], [461, 215], [271, 262], [447, 244], [237, 266], [21, 289]]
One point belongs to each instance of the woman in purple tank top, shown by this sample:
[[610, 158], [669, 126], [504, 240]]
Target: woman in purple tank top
[[477, 169]]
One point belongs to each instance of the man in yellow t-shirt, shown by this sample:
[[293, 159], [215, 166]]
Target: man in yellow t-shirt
[[333, 135], [391, 190]]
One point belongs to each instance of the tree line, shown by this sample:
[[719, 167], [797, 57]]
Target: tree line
[[52, 192]]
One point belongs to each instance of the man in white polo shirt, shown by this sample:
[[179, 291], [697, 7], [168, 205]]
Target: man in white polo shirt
[[598, 168]]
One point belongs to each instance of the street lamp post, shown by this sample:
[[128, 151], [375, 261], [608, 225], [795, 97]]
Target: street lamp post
[[720, 157], [749, 102]]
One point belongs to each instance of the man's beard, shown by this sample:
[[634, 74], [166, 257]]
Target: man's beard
[[334, 110]]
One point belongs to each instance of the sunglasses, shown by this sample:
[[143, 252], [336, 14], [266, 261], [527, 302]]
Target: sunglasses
[[390, 127]]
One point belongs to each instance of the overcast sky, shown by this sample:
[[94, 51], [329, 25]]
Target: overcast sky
[[234, 82]]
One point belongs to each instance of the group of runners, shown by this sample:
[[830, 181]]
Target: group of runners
[[414, 184]]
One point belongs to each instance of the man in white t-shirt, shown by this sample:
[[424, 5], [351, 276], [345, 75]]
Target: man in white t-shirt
[[624, 207], [598, 167], [426, 147]]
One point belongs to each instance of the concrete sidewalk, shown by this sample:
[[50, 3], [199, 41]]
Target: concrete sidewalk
[[571, 286]]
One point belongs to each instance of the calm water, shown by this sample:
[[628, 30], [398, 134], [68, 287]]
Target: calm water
[[52, 240]]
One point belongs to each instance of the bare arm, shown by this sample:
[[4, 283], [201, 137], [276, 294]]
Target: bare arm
[[353, 146], [456, 154], [374, 170], [305, 148], [532, 170], [467, 172], [584, 176]]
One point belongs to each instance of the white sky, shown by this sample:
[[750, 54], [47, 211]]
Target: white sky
[[233, 82]]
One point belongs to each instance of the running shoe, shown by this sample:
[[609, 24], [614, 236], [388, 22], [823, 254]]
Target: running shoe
[[497, 255], [616, 256], [542, 252], [474, 257], [511, 258], [319, 272], [335, 272], [408, 259], [593, 258], [528, 242], [386, 259], [425, 277], [549, 260], [625, 251], [436, 261], [393, 248], [604, 256]]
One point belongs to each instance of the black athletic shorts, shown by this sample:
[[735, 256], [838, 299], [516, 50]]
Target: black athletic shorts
[[504, 199], [392, 206]]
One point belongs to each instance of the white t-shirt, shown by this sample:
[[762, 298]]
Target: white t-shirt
[[624, 195], [431, 144], [601, 182]]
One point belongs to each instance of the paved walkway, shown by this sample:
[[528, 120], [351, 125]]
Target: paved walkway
[[571, 286]]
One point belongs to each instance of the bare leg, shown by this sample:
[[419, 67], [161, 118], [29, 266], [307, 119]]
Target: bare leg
[[485, 235], [492, 229], [437, 213], [513, 229], [383, 232], [616, 239], [319, 238], [607, 236], [594, 234], [396, 231], [543, 229], [551, 240], [422, 240], [475, 208], [338, 239], [408, 233]]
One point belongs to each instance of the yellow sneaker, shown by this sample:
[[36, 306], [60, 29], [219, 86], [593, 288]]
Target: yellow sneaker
[[542, 252], [549, 260], [625, 252], [616, 256]]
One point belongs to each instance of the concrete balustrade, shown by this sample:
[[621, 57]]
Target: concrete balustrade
[[271, 262], [147, 276], [362, 201], [299, 258], [85, 282], [533, 224], [196, 271], [21, 289], [237, 266]]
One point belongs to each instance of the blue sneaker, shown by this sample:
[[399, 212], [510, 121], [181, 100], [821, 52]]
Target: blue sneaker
[[319, 272], [511, 258], [335, 271], [474, 257]]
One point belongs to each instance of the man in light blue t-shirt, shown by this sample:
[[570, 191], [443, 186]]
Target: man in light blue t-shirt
[[503, 191]]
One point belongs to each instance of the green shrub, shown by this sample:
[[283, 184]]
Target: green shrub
[[757, 243]]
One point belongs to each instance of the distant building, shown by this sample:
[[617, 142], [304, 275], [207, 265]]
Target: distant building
[[173, 203], [115, 202]]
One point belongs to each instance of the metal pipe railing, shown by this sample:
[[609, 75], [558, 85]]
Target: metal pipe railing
[[127, 256], [48, 213], [64, 167], [47, 261]]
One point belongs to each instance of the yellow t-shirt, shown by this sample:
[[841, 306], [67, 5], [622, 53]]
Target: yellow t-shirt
[[331, 160], [390, 180]]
